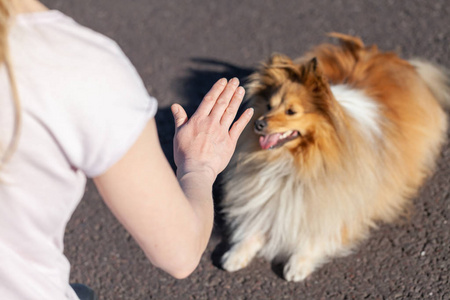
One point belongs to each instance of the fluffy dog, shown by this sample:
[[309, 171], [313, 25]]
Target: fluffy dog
[[343, 138]]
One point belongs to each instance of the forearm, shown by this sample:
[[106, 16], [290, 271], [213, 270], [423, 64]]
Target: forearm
[[178, 248], [172, 226], [197, 187]]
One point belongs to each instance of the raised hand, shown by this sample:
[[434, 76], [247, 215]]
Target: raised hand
[[206, 141]]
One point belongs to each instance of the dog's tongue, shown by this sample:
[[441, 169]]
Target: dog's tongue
[[268, 141]]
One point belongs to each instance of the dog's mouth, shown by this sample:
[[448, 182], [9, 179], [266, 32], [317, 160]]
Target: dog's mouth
[[276, 140]]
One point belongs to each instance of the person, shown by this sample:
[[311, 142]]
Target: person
[[73, 106]]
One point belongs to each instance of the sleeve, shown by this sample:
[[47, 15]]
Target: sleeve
[[104, 108]]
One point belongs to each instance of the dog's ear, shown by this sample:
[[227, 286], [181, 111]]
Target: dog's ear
[[271, 73], [280, 68], [311, 68], [279, 59], [312, 78], [319, 88]]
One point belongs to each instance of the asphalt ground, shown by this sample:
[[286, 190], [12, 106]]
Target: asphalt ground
[[180, 48]]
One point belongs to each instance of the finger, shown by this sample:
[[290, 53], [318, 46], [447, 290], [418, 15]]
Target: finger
[[224, 99], [211, 97], [233, 107], [179, 115], [240, 124]]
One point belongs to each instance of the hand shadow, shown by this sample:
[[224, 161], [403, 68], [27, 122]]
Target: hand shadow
[[193, 88]]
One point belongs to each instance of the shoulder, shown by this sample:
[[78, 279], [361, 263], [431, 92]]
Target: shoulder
[[53, 42], [60, 32], [81, 85]]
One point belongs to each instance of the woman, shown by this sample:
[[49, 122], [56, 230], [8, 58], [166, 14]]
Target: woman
[[73, 106]]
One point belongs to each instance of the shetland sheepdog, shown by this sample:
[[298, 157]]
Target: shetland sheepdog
[[343, 137]]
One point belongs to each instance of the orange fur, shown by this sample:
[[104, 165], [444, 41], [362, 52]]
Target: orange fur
[[334, 172]]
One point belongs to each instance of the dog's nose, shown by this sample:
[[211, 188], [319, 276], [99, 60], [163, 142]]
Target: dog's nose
[[260, 125]]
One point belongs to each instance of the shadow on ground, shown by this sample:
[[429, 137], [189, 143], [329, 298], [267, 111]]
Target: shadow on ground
[[193, 88]]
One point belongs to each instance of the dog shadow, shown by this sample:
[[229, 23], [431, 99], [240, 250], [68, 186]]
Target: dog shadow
[[193, 87]]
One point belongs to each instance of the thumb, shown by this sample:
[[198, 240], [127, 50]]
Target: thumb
[[179, 115]]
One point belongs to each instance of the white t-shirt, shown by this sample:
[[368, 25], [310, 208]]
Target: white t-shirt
[[83, 106]]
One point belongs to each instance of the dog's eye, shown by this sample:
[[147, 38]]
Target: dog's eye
[[291, 112], [269, 107]]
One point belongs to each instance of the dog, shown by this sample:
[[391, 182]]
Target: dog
[[343, 138]]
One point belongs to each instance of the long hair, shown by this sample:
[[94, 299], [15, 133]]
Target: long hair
[[5, 19]]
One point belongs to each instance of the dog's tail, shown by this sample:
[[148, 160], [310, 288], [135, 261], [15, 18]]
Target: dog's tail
[[348, 41], [436, 78]]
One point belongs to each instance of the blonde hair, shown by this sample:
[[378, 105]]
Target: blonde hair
[[5, 20]]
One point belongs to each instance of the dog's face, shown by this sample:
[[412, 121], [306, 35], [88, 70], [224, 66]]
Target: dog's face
[[292, 103]]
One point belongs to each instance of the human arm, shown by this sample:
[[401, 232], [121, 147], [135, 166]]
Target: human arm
[[170, 216]]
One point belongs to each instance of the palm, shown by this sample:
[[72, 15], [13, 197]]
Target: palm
[[206, 141]]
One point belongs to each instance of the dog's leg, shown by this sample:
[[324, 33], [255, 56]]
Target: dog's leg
[[301, 265], [311, 255], [240, 254]]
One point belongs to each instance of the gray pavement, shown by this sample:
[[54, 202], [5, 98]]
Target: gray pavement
[[180, 48]]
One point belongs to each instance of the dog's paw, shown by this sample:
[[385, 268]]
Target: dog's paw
[[241, 254], [298, 269], [233, 261]]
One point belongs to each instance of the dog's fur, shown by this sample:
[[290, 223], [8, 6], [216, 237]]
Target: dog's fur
[[364, 129]]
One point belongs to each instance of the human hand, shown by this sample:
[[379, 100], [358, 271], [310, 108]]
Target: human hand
[[205, 142]]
